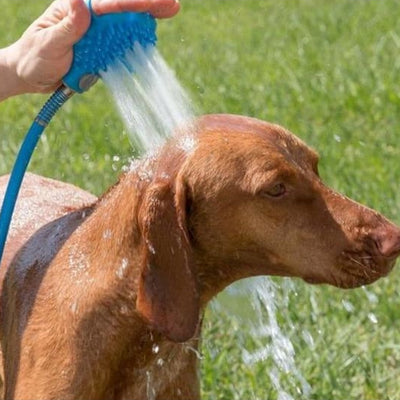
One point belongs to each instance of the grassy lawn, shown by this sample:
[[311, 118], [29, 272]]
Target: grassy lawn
[[327, 70]]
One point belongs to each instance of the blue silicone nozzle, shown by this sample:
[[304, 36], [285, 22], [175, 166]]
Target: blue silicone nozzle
[[107, 40]]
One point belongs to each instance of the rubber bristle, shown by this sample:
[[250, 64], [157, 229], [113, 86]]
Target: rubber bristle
[[108, 39]]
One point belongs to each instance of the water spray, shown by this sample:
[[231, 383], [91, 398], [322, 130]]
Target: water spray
[[106, 42]]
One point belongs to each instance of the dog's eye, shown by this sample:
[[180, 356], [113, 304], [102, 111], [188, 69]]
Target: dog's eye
[[275, 191]]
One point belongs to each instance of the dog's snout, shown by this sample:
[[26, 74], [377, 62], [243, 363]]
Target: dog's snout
[[387, 240]]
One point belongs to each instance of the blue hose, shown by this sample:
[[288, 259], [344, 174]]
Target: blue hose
[[53, 104]]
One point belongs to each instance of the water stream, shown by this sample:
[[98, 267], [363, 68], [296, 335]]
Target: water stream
[[153, 105], [259, 304], [151, 101]]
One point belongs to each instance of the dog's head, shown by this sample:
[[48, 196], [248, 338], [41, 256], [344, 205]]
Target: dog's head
[[246, 201]]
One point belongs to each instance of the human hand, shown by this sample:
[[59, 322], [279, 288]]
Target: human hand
[[43, 54]]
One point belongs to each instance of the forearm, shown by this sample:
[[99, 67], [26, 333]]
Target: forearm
[[10, 83]]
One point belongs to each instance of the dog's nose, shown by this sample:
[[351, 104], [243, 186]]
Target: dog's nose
[[387, 240]]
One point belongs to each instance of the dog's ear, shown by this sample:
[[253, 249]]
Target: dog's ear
[[167, 293]]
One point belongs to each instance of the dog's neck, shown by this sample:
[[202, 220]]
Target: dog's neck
[[214, 275]]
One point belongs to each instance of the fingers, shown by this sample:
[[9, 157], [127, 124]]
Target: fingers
[[78, 19], [165, 12], [73, 24], [158, 8]]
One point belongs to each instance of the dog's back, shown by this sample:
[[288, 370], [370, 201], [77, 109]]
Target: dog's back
[[41, 200]]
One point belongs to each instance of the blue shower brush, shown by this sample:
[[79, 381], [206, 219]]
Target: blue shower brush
[[107, 41]]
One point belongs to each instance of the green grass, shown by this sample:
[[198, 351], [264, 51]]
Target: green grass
[[328, 71]]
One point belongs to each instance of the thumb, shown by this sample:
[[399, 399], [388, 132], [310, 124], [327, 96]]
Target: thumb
[[74, 25]]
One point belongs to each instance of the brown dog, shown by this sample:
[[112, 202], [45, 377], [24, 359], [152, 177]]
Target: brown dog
[[103, 299]]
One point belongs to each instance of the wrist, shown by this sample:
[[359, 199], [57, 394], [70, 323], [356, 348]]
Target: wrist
[[11, 84]]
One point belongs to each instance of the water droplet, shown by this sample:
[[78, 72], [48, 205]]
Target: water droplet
[[107, 234], [160, 362], [124, 310], [74, 307], [151, 393], [348, 306], [308, 338], [122, 268], [151, 248], [195, 351], [372, 297], [372, 318]]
